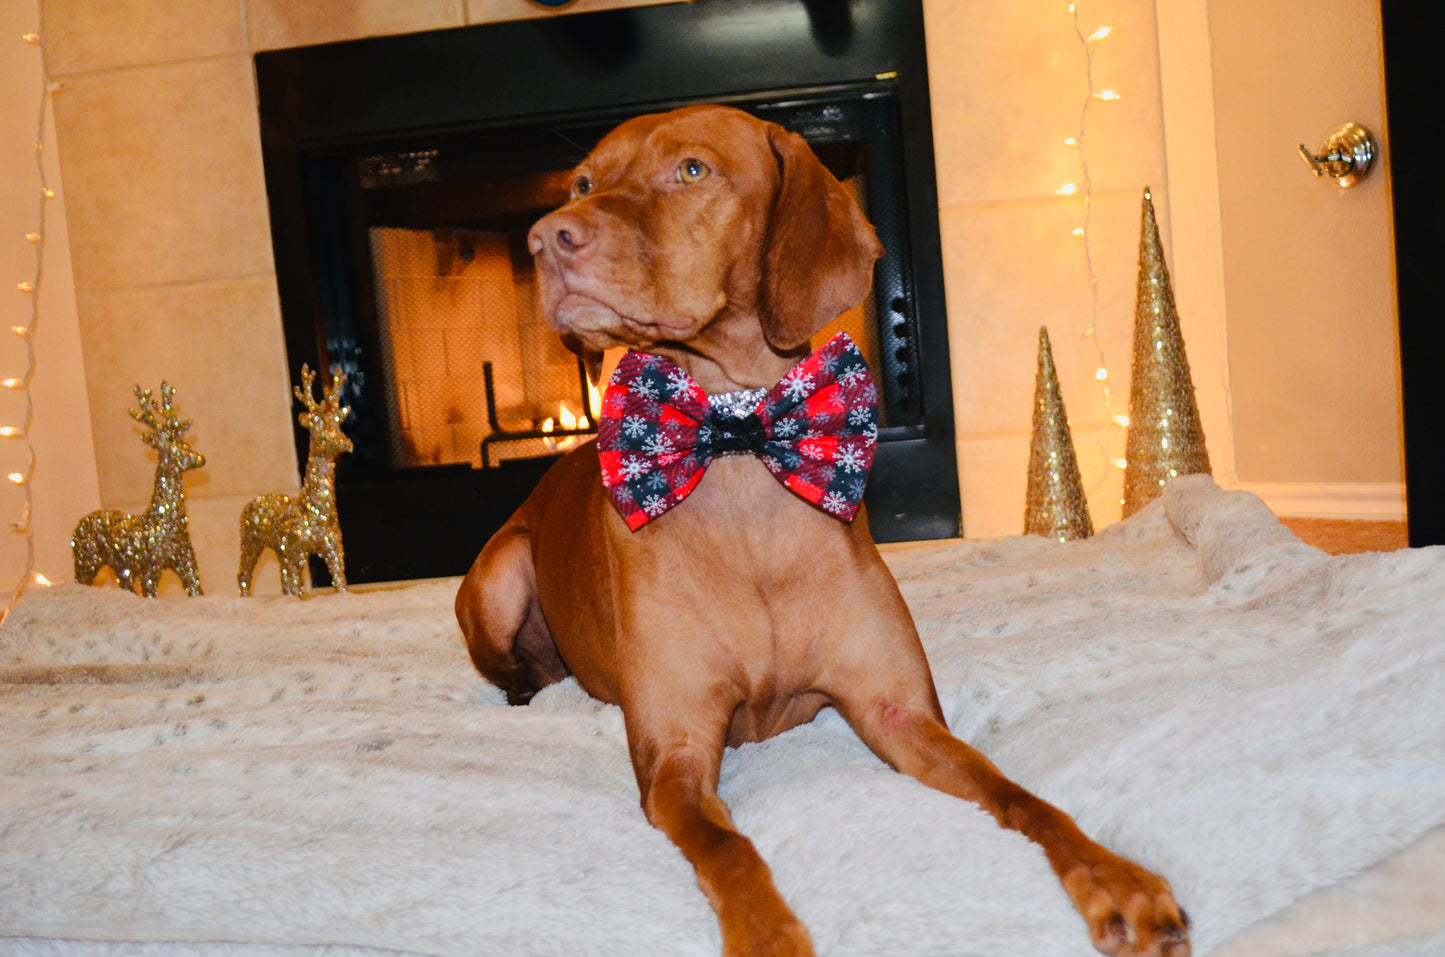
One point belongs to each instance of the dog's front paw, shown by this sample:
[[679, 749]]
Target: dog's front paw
[[1131, 912], [763, 934]]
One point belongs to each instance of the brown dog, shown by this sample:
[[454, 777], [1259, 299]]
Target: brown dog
[[720, 242]]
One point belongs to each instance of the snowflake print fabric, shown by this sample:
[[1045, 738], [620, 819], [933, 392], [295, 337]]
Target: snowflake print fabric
[[815, 430]]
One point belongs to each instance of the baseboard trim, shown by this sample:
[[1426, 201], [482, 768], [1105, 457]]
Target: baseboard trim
[[1378, 501]]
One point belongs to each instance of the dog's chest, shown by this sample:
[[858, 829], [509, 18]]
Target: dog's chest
[[741, 515], [758, 565]]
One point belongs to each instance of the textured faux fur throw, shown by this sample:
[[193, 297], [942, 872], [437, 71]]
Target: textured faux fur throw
[[1245, 714]]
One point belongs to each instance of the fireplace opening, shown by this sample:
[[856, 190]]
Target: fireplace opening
[[402, 259]]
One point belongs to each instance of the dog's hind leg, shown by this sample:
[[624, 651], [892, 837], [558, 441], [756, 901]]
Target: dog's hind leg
[[501, 619]]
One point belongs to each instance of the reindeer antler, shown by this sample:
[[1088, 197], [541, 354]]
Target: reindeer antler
[[307, 396], [333, 394], [146, 414], [330, 395]]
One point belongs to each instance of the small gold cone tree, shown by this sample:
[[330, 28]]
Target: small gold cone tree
[[1056, 506]]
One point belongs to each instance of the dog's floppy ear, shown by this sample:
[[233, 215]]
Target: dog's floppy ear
[[819, 252]]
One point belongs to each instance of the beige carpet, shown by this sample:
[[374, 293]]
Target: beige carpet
[[1346, 537]]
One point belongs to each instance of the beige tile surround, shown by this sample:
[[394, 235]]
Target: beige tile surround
[[163, 169], [93, 35], [159, 147]]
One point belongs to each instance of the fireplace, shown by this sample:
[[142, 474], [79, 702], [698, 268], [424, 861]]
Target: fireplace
[[404, 172]]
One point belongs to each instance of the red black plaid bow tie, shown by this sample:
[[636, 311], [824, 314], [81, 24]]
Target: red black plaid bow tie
[[815, 430]]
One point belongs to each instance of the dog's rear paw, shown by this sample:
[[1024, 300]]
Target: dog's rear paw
[[1130, 911]]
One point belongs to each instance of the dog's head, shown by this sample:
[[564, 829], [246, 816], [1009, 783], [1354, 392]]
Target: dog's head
[[698, 223]]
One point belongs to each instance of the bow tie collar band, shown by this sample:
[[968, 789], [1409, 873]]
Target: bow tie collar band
[[815, 430]]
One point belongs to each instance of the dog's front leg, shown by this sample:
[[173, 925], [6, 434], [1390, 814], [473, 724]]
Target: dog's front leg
[[677, 772], [1129, 910]]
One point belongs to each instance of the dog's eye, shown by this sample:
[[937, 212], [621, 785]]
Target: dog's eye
[[691, 170], [581, 186]]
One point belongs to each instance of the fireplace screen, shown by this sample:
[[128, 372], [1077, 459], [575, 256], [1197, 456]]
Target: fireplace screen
[[473, 373]]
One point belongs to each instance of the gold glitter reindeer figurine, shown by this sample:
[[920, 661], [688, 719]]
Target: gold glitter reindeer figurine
[[140, 547], [307, 524]]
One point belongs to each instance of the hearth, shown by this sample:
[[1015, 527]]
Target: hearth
[[403, 175]]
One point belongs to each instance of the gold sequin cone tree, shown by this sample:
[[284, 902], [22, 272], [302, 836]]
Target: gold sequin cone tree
[[1056, 506], [1165, 437]]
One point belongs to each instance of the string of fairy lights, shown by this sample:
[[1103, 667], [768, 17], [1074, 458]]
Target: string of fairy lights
[[26, 331], [1084, 187]]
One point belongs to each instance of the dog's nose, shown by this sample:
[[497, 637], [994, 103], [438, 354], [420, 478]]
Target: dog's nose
[[563, 233]]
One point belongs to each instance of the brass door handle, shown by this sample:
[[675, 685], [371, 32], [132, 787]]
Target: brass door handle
[[1347, 156]]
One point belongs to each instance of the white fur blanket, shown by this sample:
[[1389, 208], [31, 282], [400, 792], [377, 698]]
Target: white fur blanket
[[1204, 693]]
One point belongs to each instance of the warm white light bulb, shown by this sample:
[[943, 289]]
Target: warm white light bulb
[[17, 478], [1107, 95], [1121, 420], [1068, 189], [1101, 33], [41, 580], [1101, 374]]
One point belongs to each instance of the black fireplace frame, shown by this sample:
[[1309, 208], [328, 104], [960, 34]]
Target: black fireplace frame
[[389, 93]]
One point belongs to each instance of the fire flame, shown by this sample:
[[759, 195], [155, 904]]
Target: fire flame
[[564, 419]]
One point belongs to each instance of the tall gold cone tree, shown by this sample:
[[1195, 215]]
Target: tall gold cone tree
[[1056, 506], [1165, 437]]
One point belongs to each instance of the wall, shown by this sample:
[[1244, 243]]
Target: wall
[[1308, 268], [174, 278]]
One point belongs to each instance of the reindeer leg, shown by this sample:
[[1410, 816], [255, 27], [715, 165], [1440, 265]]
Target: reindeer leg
[[283, 559], [250, 552], [291, 580], [85, 568], [190, 575], [331, 552]]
